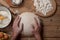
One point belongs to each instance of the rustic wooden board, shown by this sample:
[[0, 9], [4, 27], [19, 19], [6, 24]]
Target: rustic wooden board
[[58, 2], [44, 38], [51, 28]]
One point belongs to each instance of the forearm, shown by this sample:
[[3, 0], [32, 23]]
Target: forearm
[[15, 34], [37, 36]]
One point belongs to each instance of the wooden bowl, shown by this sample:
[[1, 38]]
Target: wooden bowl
[[50, 13]]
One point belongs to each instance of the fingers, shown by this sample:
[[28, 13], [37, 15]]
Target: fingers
[[36, 26], [19, 22], [35, 30], [36, 21], [21, 27], [16, 22]]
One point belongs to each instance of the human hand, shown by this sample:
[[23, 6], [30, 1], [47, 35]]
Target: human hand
[[36, 29], [16, 28]]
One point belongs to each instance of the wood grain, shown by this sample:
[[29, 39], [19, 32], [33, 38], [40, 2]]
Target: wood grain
[[51, 25]]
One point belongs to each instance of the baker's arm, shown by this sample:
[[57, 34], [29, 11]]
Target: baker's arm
[[3, 2], [16, 28], [36, 30]]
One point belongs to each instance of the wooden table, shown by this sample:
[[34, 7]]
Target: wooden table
[[51, 25]]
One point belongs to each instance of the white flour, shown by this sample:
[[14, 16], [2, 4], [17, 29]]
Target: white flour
[[43, 6], [17, 1]]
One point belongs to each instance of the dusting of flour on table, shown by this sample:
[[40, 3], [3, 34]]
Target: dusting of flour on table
[[43, 6]]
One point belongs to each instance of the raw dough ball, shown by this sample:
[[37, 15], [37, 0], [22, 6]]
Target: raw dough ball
[[27, 18]]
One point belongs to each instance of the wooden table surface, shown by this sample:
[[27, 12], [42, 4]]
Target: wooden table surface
[[51, 25]]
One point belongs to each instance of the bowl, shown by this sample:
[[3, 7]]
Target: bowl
[[7, 17], [14, 3]]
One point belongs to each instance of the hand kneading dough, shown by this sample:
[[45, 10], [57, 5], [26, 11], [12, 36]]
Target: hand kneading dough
[[27, 18]]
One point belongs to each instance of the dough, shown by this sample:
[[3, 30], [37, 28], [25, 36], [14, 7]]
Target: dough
[[27, 18]]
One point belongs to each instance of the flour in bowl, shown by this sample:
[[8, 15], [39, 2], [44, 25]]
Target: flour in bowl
[[43, 6], [17, 1]]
